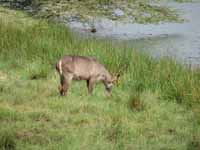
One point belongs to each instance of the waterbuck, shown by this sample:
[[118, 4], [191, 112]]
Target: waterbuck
[[83, 68]]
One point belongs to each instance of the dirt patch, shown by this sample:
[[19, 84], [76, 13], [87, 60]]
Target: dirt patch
[[3, 76]]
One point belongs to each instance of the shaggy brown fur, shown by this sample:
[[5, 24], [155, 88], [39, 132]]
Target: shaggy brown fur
[[82, 68]]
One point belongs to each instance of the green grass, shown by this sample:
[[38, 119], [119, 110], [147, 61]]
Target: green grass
[[155, 104]]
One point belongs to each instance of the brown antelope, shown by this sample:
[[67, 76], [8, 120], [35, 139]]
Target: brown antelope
[[83, 68]]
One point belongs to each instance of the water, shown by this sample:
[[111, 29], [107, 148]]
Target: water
[[178, 40]]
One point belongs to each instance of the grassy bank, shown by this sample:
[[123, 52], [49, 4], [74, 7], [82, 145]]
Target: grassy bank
[[133, 11], [155, 105], [140, 11]]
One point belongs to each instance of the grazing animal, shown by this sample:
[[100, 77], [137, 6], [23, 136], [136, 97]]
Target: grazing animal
[[83, 68]]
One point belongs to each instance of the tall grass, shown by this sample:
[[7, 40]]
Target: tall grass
[[43, 43], [147, 110]]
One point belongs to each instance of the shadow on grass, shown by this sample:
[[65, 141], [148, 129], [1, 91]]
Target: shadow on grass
[[135, 103], [194, 144], [7, 140]]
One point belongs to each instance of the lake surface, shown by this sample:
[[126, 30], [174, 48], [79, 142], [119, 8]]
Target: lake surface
[[178, 40]]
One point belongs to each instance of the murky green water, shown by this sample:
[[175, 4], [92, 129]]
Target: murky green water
[[180, 41]]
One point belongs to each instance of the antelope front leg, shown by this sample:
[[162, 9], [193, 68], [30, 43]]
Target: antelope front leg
[[60, 87], [87, 81], [90, 85]]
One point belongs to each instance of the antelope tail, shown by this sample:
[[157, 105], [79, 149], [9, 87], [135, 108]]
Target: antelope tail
[[60, 67]]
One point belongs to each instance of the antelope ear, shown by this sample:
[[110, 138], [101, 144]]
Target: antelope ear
[[115, 78], [118, 75]]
